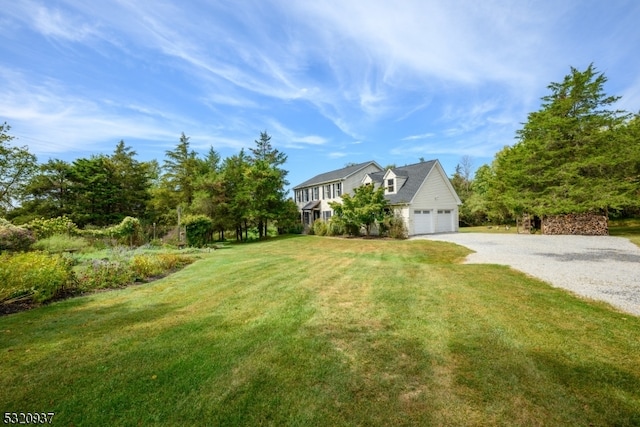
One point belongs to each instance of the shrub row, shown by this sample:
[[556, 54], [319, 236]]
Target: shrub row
[[392, 226], [39, 277], [128, 232], [121, 271], [43, 228], [34, 276]]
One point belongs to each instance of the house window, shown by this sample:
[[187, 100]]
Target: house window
[[316, 193], [326, 215], [327, 191], [337, 192], [390, 188], [305, 195]]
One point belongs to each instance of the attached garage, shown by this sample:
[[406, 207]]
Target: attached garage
[[422, 221], [445, 221]]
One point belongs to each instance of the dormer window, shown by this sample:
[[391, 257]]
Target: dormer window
[[390, 186]]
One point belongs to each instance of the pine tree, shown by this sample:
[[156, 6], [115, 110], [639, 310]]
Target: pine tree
[[565, 160], [268, 180]]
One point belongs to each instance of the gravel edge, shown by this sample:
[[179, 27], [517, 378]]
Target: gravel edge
[[603, 268]]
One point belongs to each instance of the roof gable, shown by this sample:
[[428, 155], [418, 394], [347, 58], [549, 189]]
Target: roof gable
[[415, 175], [336, 175], [438, 170]]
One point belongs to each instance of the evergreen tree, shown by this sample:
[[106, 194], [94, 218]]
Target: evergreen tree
[[237, 194], [268, 181], [95, 191], [567, 156], [209, 197], [181, 169], [48, 193], [133, 180]]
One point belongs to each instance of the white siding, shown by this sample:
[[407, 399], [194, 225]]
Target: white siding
[[347, 186], [436, 195], [355, 180]]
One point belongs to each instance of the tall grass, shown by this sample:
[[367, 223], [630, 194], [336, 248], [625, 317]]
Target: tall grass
[[60, 243]]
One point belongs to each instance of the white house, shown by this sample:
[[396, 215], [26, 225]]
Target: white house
[[313, 196], [420, 193]]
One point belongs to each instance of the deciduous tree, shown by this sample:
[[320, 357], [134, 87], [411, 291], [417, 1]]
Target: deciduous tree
[[363, 209], [17, 165]]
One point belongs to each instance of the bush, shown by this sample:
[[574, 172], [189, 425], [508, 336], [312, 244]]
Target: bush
[[146, 266], [15, 239], [335, 227], [297, 228], [395, 227], [123, 269], [199, 230], [61, 243], [44, 228], [103, 273], [128, 232], [319, 227], [34, 276]]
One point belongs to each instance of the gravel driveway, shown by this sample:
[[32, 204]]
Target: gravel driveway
[[599, 267]]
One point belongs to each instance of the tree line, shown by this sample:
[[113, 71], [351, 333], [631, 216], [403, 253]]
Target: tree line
[[244, 191], [577, 154]]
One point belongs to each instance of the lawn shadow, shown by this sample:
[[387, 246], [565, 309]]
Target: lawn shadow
[[545, 386]]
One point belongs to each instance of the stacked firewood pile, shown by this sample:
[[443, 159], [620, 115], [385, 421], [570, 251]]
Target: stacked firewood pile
[[586, 224], [524, 224]]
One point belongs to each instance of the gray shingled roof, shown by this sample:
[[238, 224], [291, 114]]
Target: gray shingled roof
[[333, 175], [415, 174]]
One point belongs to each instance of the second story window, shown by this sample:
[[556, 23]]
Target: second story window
[[327, 191], [316, 193], [337, 192], [390, 187], [305, 195]]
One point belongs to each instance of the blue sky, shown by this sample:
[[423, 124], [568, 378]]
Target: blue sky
[[331, 81]]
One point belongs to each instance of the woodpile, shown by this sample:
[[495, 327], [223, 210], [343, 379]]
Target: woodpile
[[586, 224], [524, 225]]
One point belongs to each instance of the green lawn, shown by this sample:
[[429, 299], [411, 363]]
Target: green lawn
[[320, 331], [629, 228]]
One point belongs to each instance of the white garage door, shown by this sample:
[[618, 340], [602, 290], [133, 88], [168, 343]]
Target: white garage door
[[422, 222], [445, 221]]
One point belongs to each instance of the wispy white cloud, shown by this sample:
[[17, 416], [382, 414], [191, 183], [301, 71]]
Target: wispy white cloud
[[50, 120], [337, 155], [437, 77], [630, 97], [52, 22], [420, 136], [291, 139]]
